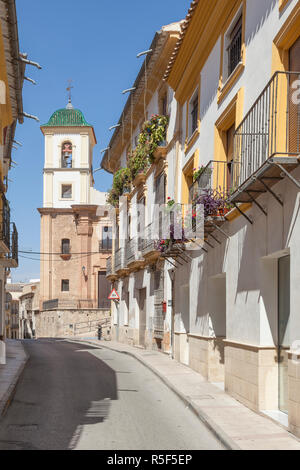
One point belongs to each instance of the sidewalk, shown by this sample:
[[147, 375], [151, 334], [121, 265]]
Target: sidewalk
[[16, 359], [235, 425]]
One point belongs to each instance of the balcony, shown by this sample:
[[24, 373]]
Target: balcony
[[4, 225], [54, 304], [134, 255], [110, 270], [13, 255], [120, 261], [267, 142], [105, 245], [11, 259], [148, 245], [213, 189], [158, 327]]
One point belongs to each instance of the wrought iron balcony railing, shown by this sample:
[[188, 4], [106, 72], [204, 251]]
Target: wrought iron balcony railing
[[109, 266], [14, 251], [5, 223], [134, 250], [215, 181], [148, 244], [120, 259], [105, 244], [270, 128], [50, 304]]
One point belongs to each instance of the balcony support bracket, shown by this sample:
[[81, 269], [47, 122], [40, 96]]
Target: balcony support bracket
[[257, 203], [201, 247], [171, 262], [243, 213], [184, 254], [291, 178], [215, 238], [278, 199], [207, 242], [220, 230]]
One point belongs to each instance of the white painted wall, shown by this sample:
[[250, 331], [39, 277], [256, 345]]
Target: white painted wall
[[79, 175]]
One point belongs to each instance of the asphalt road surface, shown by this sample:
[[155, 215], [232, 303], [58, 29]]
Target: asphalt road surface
[[76, 396]]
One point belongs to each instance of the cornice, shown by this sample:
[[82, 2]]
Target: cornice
[[201, 36], [82, 170], [54, 210]]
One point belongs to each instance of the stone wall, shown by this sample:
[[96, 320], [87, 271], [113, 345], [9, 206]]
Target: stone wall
[[125, 334], [294, 393], [69, 322], [251, 375], [206, 356]]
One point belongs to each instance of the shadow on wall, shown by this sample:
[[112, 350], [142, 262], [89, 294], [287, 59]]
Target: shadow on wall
[[260, 11], [258, 248], [211, 299]]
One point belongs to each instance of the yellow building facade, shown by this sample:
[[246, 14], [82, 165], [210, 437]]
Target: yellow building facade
[[12, 68]]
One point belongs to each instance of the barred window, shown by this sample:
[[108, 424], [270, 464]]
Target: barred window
[[65, 246], [235, 46], [65, 285]]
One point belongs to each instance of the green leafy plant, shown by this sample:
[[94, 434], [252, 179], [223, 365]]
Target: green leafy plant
[[112, 198], [121, 184], [201, 169], [152, 135], [138, 161]]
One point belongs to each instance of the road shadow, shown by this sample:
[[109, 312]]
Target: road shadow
[[63, 387]]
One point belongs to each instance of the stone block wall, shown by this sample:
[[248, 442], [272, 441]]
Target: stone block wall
[[251, 375], [59, 323], [206, 356]]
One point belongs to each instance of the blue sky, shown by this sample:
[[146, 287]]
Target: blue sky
[[95, 44]]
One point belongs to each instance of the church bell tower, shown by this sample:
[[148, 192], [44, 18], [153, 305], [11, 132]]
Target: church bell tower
[[71, 262]]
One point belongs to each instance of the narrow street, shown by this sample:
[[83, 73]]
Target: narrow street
[[75, 396]]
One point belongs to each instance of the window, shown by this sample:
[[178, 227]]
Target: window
[[141, 217], [65, 246], [193, 114], [66, 191], [65, 287], [66, 155], [234, 48], [129, 227], [106, 241], [160, 189], [164, 105]]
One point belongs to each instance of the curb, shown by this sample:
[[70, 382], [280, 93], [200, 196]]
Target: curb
[[227, 442], [10, 392]]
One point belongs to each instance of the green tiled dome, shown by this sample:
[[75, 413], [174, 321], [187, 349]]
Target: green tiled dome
[[67, 117]]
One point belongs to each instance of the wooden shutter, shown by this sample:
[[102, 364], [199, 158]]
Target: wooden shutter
[[294, 109]]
